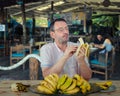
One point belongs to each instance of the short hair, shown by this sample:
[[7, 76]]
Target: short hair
[[51, 28]]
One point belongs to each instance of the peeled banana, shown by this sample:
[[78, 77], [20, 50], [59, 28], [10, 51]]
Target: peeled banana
[[19, 87]]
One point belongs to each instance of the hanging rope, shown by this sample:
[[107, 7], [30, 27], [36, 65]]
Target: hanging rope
[[21, 62]]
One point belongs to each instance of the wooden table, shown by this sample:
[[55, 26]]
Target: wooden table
[[6, 91]]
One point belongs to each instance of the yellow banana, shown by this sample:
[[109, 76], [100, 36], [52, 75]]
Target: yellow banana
[[77, 77], [83, 89], [103, 83], [43, 89], [50, 80], [66, 84], [73, 91], [80, 82], [72, 86], [48, 85], [88, 87], [62, 80], [104, 87], [55, 76], [109, 83]]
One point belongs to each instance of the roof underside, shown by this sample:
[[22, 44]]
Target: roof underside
[[31, 6]]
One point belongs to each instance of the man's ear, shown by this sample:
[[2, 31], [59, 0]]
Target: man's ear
[[52, 34]]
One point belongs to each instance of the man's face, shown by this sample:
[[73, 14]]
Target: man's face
[[61, 32], [99, 37]]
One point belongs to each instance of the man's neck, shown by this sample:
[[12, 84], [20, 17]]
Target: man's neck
[[62, 46]]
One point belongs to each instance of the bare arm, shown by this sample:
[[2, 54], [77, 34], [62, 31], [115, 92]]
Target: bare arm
[[85, 70]]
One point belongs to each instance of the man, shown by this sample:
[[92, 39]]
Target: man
[[59, 57]]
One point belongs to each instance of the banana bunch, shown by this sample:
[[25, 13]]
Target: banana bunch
[[49, 84], [82, 84], [104, 85], [53, 84], [19, 87]]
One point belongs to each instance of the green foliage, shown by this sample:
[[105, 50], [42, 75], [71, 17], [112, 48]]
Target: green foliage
[[111, 21]]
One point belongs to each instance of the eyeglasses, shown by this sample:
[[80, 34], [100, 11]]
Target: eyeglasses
[[61, 29]]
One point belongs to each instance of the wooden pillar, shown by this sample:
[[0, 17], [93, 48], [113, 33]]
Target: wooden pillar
[[52, 13], [84, 27], [33, 68], [24, 22]]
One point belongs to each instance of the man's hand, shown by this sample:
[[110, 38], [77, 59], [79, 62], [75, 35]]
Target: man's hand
[[81, 55], [70, 50]]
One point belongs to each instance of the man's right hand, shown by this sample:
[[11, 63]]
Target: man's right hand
[[70, 50]]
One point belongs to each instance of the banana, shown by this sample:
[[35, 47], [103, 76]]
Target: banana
[[43, 89], [80, 82], [83, 89], [104, 85], [72, 86], [51, 81], [66, 84], [77, 77], [109, 83], [62, 80], [73, 91], [52, 78], [55, 76], [48, 85]]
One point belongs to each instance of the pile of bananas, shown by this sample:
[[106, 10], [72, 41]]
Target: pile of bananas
[[53, 84], [19, 87]]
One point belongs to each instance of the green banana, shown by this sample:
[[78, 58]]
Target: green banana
[[72, 86], [43, 89], [67, 83], [62, 80], [73, 91]]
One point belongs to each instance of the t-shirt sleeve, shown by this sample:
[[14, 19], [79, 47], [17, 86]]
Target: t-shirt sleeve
[[45, 56]]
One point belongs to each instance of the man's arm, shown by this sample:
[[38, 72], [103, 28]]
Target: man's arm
[[84, 69]]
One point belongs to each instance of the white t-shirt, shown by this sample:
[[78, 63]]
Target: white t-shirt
[[50, 54]]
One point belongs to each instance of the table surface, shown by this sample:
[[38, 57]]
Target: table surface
[[6, 91]]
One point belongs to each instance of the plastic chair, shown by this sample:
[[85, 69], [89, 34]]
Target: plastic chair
[[104, 64], [16, 54]]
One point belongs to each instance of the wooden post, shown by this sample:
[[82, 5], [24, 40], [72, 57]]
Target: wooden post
[[33, 68], [24, 22]]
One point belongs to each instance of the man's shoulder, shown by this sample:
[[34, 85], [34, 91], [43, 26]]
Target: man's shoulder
[[48, 45]]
